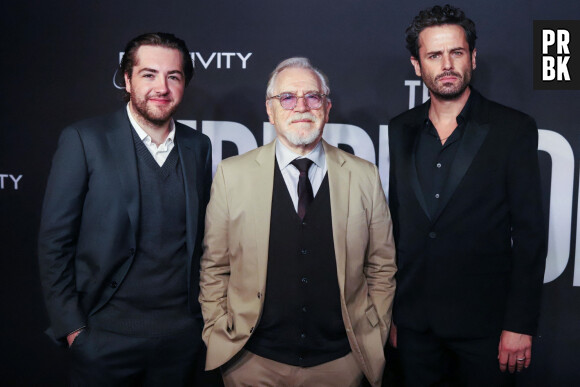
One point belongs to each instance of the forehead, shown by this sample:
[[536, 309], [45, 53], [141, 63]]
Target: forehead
[[297, 79], [147, 56], [440, 37]]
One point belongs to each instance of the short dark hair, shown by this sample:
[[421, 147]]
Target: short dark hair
[[437, 16], [161, 39]]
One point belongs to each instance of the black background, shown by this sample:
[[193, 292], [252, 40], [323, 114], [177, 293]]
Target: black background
[[58, 61]]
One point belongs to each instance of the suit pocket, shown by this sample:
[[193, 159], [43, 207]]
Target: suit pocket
[[372, 315], [230, 326]]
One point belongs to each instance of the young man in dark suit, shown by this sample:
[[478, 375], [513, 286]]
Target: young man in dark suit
[[467, 216], [121, 231]]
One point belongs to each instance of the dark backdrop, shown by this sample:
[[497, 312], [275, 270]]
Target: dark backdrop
[[58, 61]]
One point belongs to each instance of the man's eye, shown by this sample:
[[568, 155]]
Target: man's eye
[[286, 97], [314, 97]]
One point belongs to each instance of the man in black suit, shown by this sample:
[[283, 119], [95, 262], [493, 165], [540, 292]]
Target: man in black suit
[[121, 231], [467, 216]]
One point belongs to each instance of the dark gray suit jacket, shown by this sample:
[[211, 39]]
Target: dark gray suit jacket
[[476, 266], [89, 226]]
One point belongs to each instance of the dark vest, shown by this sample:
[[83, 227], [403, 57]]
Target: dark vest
[[153, 298], [301, 322]]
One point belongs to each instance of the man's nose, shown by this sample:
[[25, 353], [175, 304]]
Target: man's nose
[[161, 85], [301, 104], [447, 62]]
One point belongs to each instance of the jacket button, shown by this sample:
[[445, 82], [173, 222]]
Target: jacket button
[[114, 284], [432, 235], [131, 252], [251, 329], [259, 295]]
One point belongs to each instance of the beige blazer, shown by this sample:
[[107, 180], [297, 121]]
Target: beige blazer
[[235, 259]]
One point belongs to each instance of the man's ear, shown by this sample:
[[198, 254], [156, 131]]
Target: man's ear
[[127, 83], [270, 111], [417, 65]]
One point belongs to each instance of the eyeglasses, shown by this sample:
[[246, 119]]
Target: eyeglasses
[[288, 101]]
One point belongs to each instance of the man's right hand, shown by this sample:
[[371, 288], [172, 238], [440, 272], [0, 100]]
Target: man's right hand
[[72, 336], [393, 335]]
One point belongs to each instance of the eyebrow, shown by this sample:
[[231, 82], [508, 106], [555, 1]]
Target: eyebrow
[[305, 92], [451, 49], [441, 51], [150, 70]]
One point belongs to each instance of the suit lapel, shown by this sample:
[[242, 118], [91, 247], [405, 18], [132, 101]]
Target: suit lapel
[[339, 186], [262, 181], [189, 167], [411, 134], [472, 139], [120, 139]]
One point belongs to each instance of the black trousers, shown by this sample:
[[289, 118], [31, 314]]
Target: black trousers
[[429, 360], [101, 358]]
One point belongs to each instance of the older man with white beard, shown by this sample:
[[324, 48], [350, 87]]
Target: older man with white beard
[[297, 276]]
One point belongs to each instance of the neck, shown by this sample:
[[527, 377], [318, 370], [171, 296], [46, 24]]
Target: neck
[[157, 131], [445, 110], [301, 150]]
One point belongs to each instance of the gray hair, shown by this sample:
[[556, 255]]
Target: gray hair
[[296, 62]]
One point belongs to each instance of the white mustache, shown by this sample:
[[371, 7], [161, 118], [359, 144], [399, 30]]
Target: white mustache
[[302, 116]]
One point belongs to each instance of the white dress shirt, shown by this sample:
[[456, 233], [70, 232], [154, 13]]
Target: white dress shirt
[[316, 173], [160, 152]]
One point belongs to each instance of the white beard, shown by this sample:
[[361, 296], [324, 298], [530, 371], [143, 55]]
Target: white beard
[[295, 138]]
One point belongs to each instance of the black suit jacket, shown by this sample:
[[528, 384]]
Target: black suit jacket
[[475, 267], [90, 216]]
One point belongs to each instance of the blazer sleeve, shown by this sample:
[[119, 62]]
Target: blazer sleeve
[[529, 240], [380, 266], [215, 262], [61, 215]]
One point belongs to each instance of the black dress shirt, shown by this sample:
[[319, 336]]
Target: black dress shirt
[[433, 159]]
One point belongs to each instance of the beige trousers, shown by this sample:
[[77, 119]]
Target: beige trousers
[[248, 369]]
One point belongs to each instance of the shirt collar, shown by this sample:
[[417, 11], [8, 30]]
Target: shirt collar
[[143, 134], [285, 156], [460, 119]]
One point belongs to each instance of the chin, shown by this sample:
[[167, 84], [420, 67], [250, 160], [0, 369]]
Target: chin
[[305, 139]]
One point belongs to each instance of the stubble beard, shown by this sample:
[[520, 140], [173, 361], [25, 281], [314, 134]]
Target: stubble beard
[[156, 116], [448, 91]]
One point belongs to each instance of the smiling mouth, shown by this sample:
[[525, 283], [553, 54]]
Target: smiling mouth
[[162, 101]]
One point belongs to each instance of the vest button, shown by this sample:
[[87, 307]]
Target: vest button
[[304, 280], [432, 235], [303, 251]]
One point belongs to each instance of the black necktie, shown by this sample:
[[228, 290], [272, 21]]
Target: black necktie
[[305, 195]]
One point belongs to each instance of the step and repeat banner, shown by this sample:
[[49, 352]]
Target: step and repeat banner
[[59, 61]]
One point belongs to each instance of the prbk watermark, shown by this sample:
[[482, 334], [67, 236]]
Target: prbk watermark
[[556, 54]]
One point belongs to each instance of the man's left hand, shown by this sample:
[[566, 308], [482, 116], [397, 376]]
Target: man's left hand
[[515, 351]]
